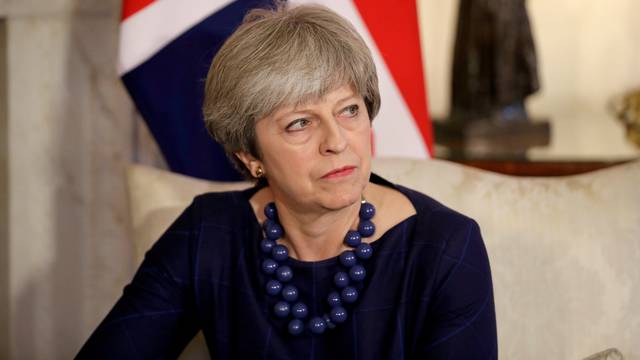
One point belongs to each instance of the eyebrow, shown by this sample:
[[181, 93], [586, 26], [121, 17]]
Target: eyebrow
[[279, 116], [300, 110]]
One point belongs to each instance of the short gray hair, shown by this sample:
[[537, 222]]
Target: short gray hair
[[277, 57]]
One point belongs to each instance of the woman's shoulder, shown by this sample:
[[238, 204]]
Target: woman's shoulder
[[443, 226], [219, 207], [213, 209], [456, 235], [425, 207]]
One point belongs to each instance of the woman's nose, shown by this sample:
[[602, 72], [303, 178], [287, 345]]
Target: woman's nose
[[334, 140]]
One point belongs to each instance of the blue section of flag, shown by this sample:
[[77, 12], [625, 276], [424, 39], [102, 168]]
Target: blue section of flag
[[168, 90]]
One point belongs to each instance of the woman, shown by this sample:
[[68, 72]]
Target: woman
[[321, 259]]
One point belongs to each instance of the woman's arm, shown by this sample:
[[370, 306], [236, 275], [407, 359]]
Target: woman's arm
[[156, 315], [462, 323]]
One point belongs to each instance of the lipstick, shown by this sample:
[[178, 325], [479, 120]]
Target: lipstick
[[339, 172]]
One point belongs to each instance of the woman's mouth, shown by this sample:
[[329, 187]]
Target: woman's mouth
[[339, 172]]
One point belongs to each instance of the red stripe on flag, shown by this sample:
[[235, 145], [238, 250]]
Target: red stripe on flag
[[394, 27], [130, 7]]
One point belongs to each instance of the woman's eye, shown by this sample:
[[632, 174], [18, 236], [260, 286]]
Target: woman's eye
[[351, 110], [298, 124]]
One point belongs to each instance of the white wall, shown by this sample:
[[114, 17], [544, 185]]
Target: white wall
[[589, 52]]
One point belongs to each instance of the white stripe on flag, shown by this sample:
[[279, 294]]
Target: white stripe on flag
[[396, 133], [152, 28]]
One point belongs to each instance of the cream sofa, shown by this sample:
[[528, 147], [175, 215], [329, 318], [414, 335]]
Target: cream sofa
[[564, 251]]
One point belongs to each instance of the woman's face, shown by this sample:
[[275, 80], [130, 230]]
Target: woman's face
[[317, 154]]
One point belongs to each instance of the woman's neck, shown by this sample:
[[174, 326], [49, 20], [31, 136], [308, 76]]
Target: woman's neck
[[310, 235], [316, 236]]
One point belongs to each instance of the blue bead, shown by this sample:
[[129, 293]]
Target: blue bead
[[281, 309], [348, 258], [341, 279], [267, 224], [280, 252], [338, 314], [296, 327], [273, 287], [284, 273], [269, 266], [270, 211], [317, 325], [334, 299], [367, 211], [349, 294], [366, 228], [290, 293], [364, 251], [352, 238], [273, 231], [299, 310], [357, 273], [267, 245]]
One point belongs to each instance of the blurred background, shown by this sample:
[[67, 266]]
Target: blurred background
[[68, 129]]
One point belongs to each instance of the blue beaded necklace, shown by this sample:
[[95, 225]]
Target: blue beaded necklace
[[274, 266]]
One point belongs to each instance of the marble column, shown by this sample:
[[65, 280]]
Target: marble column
[[70, 131]]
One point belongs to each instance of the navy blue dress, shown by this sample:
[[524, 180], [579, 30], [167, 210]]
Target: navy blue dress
[[427, 295]]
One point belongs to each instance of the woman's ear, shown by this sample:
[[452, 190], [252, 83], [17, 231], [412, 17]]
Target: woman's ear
[[251, 163]]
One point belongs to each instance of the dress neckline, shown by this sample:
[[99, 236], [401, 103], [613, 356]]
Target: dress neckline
[[376, 179]]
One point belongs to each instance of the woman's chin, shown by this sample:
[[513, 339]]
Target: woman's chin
[[336, 200]]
